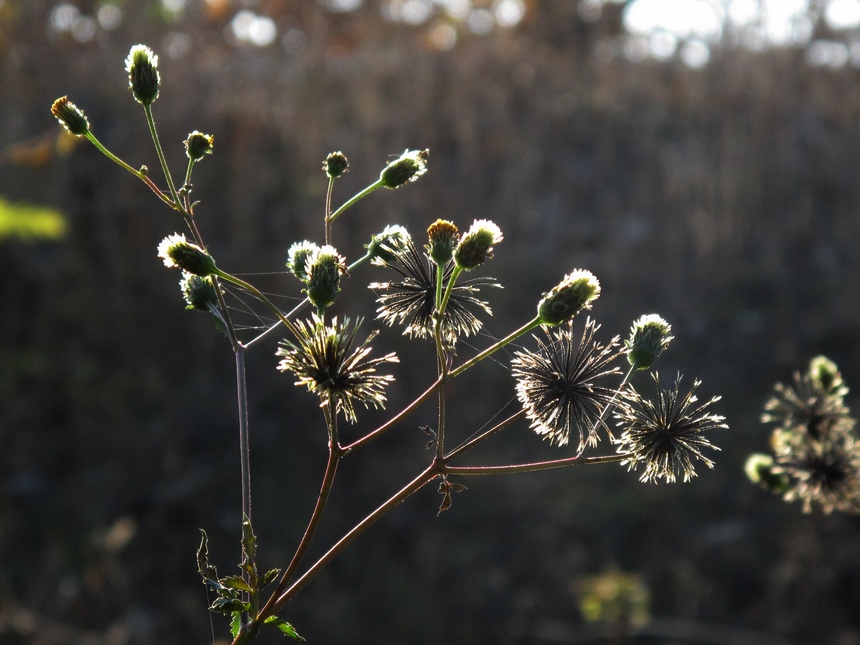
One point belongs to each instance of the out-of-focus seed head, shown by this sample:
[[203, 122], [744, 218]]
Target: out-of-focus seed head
[[761, 470]]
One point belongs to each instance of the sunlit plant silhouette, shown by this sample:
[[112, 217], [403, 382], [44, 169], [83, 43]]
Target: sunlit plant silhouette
[[569, 385]]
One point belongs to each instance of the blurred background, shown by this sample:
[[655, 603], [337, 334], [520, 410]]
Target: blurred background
[[699, 156]]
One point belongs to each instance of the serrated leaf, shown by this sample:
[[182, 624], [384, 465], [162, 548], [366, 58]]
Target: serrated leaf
[[270, 577], [284, 626], [229, 605], [235, 582], [236, 624], [208, 572], [249, 542]]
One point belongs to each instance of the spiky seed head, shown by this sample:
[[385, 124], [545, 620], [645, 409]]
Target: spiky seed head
[[649, 336], [443, 238], [407, 167], [71, 116], [476, 245], [297, 258], [383, 248], [575, 292], [178, 252], [143, 77], [335, 164], [324, 269], [198, 144]]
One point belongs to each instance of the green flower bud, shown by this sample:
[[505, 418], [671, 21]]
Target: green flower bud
[[178, 252], [143, 78], [71, 116], [407, 167], [198, 144], [762, 471], [297, 258], [383, 247], [324, 269], [199, 293], [476, 246], [335, 164], [443, 236], [574, 293], [649, 336], [825, 375]]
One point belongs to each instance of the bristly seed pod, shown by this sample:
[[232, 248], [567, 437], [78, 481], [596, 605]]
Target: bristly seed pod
[[407, 167], [324, 268], [335, 164], [143, 78], [178, 252], [476, 245], [649, 336], [198, 144], [443, 238]]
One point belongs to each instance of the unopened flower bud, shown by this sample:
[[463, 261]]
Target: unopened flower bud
[[649, 336], [143, 78], [574, 293], [71, 116], [198, 144], [383, 247], [335, 164], [324, 269], [476, 245], [761, 470], [199, 293], [297, 258], [407, 167], [443, 236], [178, 252]]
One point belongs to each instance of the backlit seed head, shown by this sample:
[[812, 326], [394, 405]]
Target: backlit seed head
[[143, 78], [443, 238], [649, 336], [178, 252], [199, 293], [383, 248], [407, 167], [198, 144], [297, 258], [71, 116], [574, 293], [476, 245], [335, 164], [324, 269]]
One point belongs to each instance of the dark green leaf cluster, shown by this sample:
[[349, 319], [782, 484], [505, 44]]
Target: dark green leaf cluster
[[239, 595]]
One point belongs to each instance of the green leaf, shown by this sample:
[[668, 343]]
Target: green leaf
[[235, 582], [270, 577], [229, 605], [249, 542], [284, 626], [236, 623], [206, 570], [31, 223]]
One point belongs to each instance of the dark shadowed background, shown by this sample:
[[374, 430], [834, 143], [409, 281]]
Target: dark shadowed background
[[709, 176]]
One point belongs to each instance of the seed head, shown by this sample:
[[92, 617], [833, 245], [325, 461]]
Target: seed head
[[407, 167], [476, 245], [761, 470], [71, 116], [324, 268], [649, 336], [384, 247], [143, 77], [198, 144], [199, 293], [178, 252], [335, 164], [443, 238], [575, 292], [297, 258]]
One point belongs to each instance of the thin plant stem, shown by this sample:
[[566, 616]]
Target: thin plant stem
[[612, 402], [328, 219], [244, 434], [256, 292], [353, 199], [137, 173], [496, 346], [532, 467], [160, 152], [449, 288], [468, 445], [409, 409]]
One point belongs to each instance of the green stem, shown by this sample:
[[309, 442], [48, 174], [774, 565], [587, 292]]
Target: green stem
[[328, 219], [160, 152], [492, 348], [532, 467], [448, 289], [244, 434], [352, 200], [137, 173]]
